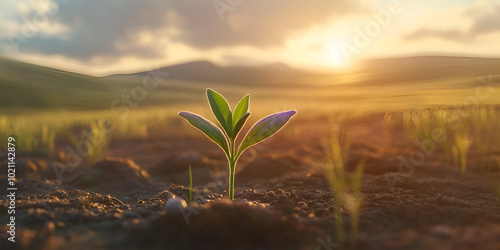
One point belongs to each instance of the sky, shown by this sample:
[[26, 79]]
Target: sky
[[98, 37]]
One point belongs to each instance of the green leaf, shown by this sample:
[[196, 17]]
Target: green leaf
[[211, 130], [229, 124], [220, 108], [241, 109], [239, 124], [265, 128]]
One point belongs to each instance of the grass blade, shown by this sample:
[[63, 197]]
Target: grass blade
[[190, 184]]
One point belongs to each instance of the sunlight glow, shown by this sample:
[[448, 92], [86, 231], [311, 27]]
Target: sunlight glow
[[335, 57]]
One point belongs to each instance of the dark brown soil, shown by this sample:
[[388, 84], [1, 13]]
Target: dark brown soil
[[282, 199]]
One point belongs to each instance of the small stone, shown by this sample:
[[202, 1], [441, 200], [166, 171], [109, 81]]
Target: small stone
[[279, 185], [203, 201], [166, 195], [293, 192], [124, 207], [279, 191], [243, 201], [318, 196], [270, 194], [175, 205]]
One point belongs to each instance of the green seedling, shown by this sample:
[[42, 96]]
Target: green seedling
[[232, 122], [190, 184], [346, 186], [463, 142]]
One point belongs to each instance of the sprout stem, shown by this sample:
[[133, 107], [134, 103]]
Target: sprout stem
[[232, 165], [231, 179], [190, 184]]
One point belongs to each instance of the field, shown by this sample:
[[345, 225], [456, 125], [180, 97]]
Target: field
[[398, 153]]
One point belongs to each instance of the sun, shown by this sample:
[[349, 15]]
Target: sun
[[335, 57]]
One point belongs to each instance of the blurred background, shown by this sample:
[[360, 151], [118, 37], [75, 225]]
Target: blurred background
[[67, 64]]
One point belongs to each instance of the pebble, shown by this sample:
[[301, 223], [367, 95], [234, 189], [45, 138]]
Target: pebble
[[270, 194], [124, 207], [293, 192], [166, 195], [174, 205], [317, 196], [242, 201]]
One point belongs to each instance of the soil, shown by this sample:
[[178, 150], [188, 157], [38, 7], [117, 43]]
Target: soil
[[282, 198]]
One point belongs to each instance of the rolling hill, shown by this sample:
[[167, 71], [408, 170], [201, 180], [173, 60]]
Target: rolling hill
[[28, 86]]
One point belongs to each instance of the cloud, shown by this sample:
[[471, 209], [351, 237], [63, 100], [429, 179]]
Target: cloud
[[484, 23], [452, 35], [100, 29], [105, 30], [259, 23], [487, 22]]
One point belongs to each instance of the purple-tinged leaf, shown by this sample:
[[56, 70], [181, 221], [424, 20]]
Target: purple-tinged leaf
[[265, 128]]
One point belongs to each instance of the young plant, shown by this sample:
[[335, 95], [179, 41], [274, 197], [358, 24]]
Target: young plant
[[463, 142], [346, 186], [232, 122], [190, 184]]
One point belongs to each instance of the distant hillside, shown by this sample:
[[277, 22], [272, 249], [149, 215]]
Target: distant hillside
[[31, 86], [426, 68], [204, 71], [27, 85]]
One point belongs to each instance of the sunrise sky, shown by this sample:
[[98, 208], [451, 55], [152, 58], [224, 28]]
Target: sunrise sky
[[117, 36]]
